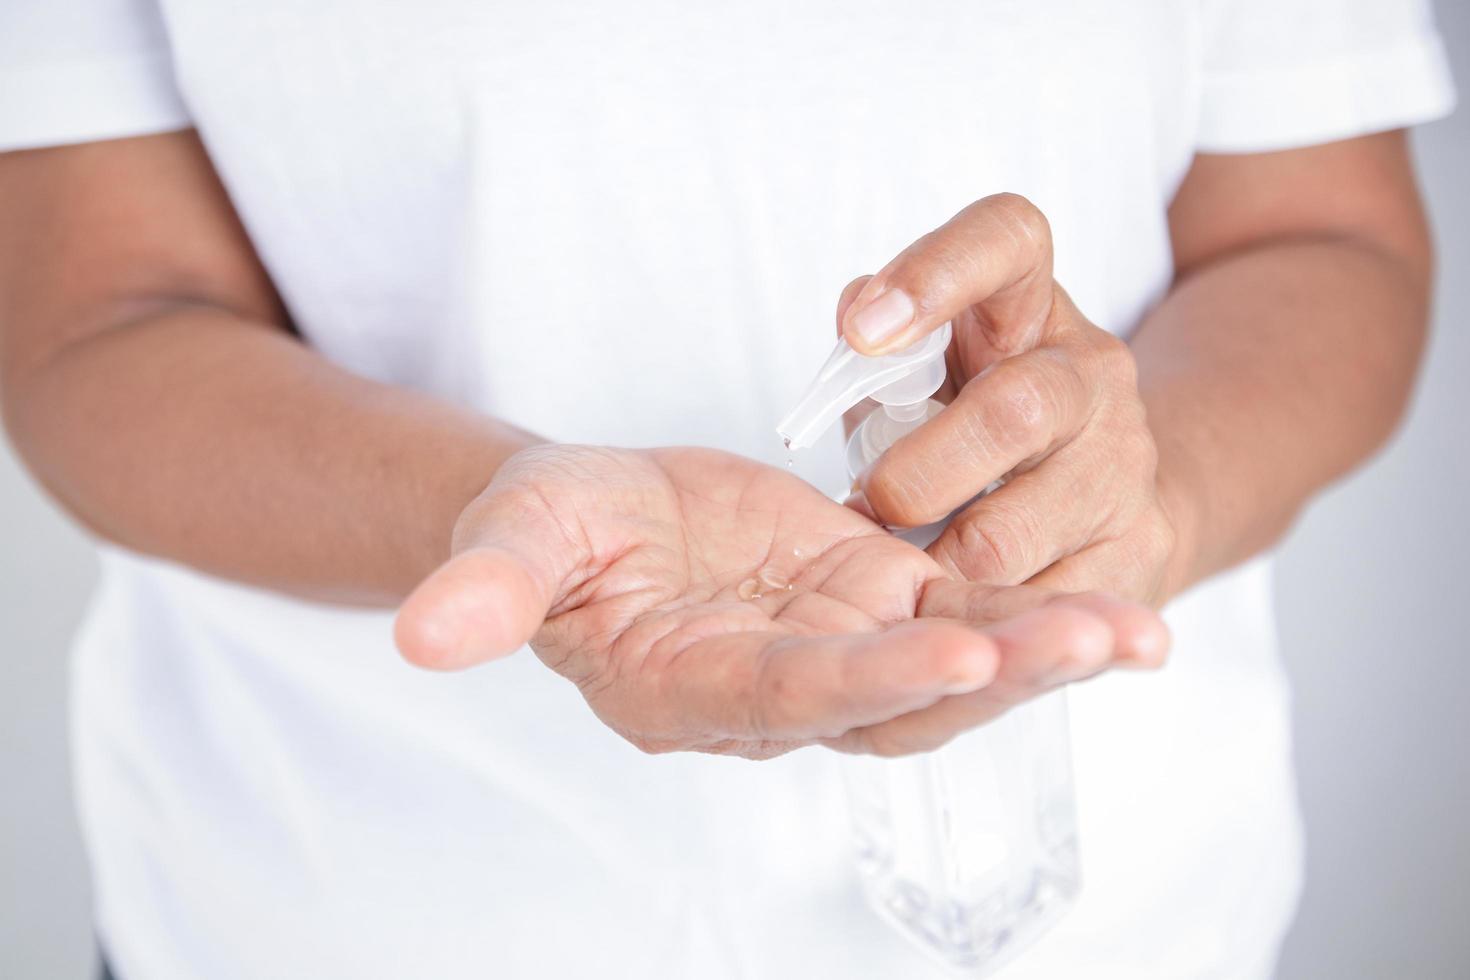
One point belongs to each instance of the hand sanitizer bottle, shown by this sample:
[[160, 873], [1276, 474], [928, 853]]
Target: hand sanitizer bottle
[[969, 850]]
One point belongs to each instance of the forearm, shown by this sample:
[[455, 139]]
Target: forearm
[[1266, 374], [230, 446]]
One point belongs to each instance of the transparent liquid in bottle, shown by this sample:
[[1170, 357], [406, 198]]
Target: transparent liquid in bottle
[[971, 850]]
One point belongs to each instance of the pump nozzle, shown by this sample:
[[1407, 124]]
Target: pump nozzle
[[905, 377]]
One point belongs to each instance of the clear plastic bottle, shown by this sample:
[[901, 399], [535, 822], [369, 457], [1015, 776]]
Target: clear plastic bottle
[[969, 850]]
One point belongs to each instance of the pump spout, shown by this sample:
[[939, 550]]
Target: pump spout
[[901, 378]]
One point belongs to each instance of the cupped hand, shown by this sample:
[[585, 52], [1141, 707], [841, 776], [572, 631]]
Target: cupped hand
[[704, 601], [1038, 395]]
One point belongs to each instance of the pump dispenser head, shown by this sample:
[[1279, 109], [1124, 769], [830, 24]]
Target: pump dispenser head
[[904, 377]]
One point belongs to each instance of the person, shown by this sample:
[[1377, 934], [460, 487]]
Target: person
[[310, 311]]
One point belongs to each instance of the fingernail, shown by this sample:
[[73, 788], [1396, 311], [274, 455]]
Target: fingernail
[[884, 317]]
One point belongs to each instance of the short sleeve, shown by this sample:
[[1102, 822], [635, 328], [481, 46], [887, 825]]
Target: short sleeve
[[78, 70], [1285, 73]]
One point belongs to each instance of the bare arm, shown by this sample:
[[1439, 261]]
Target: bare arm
[[1287, 351], [151, 380]]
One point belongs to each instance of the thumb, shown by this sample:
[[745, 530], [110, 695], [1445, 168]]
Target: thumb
[[489, 599], [994, 257]]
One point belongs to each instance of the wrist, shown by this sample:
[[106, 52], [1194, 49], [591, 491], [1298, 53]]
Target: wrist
[[1182, 500]]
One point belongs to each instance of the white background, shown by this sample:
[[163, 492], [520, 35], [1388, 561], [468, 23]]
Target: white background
[[1372, 599]]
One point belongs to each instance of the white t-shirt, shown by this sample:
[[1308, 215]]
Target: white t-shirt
[[628, 223]]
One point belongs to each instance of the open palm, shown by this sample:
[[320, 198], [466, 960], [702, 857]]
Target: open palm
[[701, 600]]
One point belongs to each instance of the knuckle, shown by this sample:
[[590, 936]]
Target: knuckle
[[1136, 452], [901, 492], [1116, 361], [1023, 217], [1142, 553], [932, 270], [993, 545], [1160, 537], [1026, 403], [1018, 411]]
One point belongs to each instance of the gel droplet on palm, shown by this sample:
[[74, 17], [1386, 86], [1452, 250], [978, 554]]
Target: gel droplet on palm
[[766, 580], [771, 580]]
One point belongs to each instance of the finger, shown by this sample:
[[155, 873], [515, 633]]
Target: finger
[[1037, 518], [849, 294], [490, 598], [995, 255], [1137, 560], [1069, 640], [1139, 634], [778, 687], [1014, 413], [979, 604], [1039, 650]]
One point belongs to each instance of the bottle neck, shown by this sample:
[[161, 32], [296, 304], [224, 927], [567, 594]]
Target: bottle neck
[[882, 428], [911, 412]]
